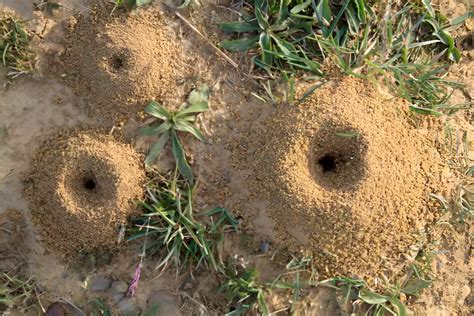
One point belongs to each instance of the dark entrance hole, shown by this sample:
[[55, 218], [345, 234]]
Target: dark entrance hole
[[117, 62], [337, 157], [327, 163], [89, 184]]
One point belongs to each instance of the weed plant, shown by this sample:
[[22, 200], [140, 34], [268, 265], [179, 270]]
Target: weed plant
[[169, 223], [244, 291], [405, 45], [17, 292], [15, 49], [172, 124]]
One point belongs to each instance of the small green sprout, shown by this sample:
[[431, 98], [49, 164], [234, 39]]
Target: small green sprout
[[183, 121], [244, 291]]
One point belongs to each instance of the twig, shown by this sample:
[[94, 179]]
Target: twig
[[218, 51], [77, 309]]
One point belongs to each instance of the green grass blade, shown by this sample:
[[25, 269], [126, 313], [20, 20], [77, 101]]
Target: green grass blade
[[156, 149], [180, 158]]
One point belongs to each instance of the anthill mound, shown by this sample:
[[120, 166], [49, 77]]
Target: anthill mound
[[119, 62], [346, 177], [80, 189]]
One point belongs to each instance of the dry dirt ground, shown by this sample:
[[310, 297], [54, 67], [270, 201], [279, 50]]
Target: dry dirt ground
[[33, 107]]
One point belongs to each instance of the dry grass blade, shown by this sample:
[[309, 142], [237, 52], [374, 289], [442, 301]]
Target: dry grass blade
[[15, 46]]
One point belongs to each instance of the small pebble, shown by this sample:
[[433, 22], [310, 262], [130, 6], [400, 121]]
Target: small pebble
[[127, 308], [264, 246], [165, 301], [55, 309], [118, 297], [119, 287], [100, 283]]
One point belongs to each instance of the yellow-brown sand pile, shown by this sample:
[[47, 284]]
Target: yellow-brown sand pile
[[346, 177], [120, 62], [80, 190]]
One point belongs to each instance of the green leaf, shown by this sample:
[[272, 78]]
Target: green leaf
[[401, 309], [156, 149], [429, 8], [156, 110], [239, 27], [180, 158], [262, 21], [372, 298], [185, 126], [239, 45], [157, 129], [301, 7], [461, 19], [415, 285], [262, 304], [199, 95], [266, 46], [196, 108], [323, 12], [361, 10]]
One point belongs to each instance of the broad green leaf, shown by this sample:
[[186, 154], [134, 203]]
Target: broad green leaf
[[156, 110], [180, 158], [461, 19], [197, 107], [323, 12], [261, 19], [415, 285], [239, 27], [239, 45], [199, 95], [157, 129], [156, 149], [372, 298], [266, 46], [400, 308], [185, 126], [300, 7]]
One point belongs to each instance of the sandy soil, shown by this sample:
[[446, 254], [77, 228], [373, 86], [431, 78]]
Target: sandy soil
[[33, 107]]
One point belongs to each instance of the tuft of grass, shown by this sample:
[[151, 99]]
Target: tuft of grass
[[182, 120], [404, 46], [18, 293], [244, 291], [169, 223], [15, 46]]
